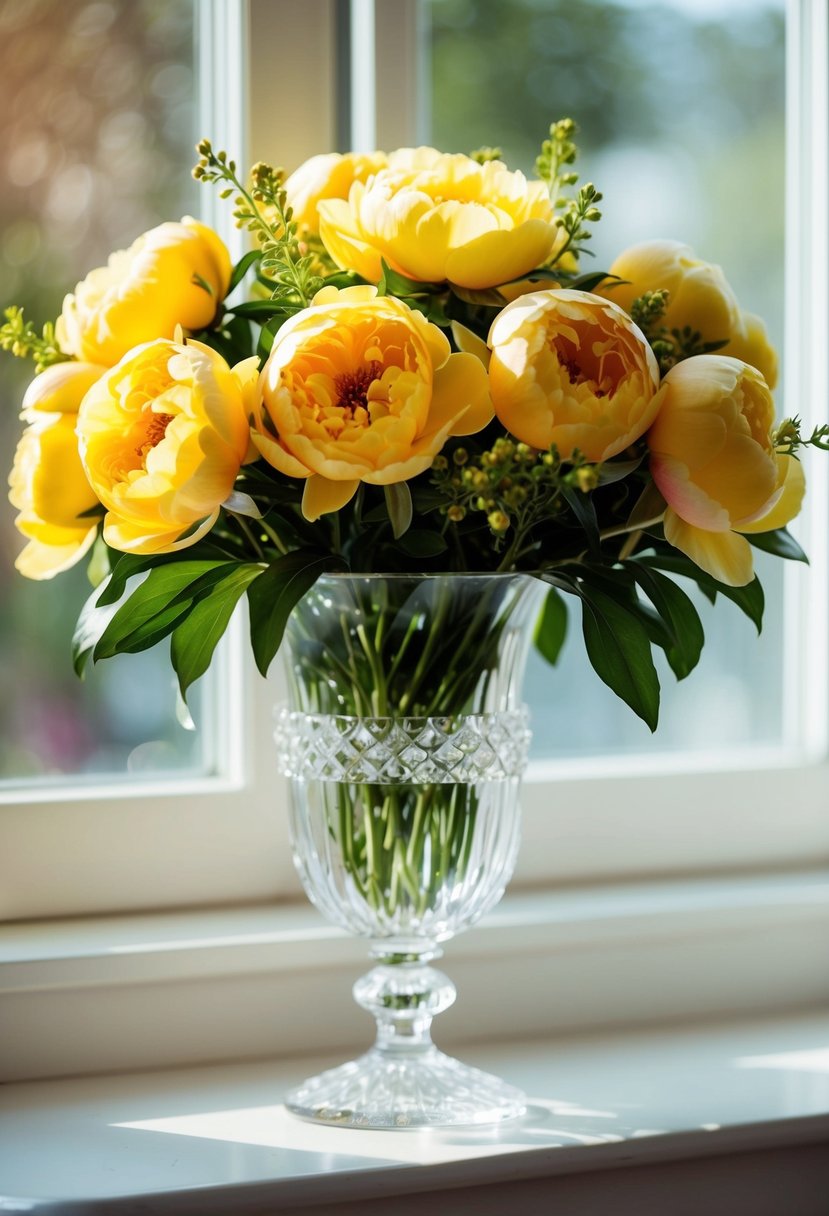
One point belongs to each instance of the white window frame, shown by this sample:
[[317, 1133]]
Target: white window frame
[[130, 848]]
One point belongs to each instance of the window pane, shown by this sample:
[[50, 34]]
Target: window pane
[[680, 105], [97, 135]]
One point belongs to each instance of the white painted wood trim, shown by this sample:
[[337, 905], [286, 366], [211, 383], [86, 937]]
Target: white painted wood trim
[[169, 989]]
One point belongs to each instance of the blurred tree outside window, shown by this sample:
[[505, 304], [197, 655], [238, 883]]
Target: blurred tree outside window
[[97, 136], [680, 105]]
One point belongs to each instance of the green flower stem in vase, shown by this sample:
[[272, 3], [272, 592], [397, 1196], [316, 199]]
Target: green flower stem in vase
[[405, 743]]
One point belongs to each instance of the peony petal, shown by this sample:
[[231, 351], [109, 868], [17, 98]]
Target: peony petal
[[497, 257], [460, 396], [61, 388], [470, 343], [404, 470], [751, 344], [726, 556], [41, 561], [277, 456], [344, 243], [128, 537], [693, 505], [321, 496], [792, 486]]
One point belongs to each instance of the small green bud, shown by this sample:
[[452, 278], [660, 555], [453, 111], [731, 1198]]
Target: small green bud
[[440, 464], [456, 514], [587, 478], [515, 496], [460, 456]]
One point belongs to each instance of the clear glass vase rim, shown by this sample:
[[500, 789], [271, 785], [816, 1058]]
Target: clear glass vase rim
[[516, 713]]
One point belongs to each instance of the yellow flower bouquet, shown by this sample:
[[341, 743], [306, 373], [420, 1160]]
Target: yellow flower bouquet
[[421, 379], [401, 415]]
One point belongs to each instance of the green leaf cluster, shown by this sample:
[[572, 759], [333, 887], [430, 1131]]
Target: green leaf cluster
[[191, 601], [21, 338]]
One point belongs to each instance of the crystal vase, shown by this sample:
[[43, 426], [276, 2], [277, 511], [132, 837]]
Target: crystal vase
[[405, 741]]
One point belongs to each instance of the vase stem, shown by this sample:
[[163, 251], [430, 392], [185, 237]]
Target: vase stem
[[404, 994]]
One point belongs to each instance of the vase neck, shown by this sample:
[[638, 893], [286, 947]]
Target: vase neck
[[404, 996]]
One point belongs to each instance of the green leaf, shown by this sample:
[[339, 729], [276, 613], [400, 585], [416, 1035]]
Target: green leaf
[[239, 332], [541, 272], [242, 267], [257, 308], [582, 506], [148, 634], [195, 639], [421, 543], [551, 628], [92, 623], [134, 626], [267, 335], [588, 282], [619, 650], [616, 470], [649, 505], [127, 565], [343, 278], [780, 542], [750, 599], [98, 567], [399, 507], [431, 307], [394, 284], [685, 634], [273, 596], [203, 284]]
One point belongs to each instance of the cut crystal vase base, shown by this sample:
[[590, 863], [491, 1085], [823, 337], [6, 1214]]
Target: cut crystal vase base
[[402, 1091]]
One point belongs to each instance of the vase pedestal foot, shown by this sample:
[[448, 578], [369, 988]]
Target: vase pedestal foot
[[400, 1090]]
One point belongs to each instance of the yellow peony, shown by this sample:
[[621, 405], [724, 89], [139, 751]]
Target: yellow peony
[[435, 217], [162, 436], [700, 298], [360, 387], [47, 482], [329, 175], [571, 369], [713, 460], [145, 291]]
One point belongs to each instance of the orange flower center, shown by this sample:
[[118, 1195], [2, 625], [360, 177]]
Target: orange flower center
[[352, 390], [588, 363], [155, 432]]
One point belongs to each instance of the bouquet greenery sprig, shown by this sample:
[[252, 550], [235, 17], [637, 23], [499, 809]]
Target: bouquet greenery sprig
[[409, 371]]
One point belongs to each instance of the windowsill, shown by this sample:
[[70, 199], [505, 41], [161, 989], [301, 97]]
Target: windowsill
[[733, 1106], [111, 994]]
